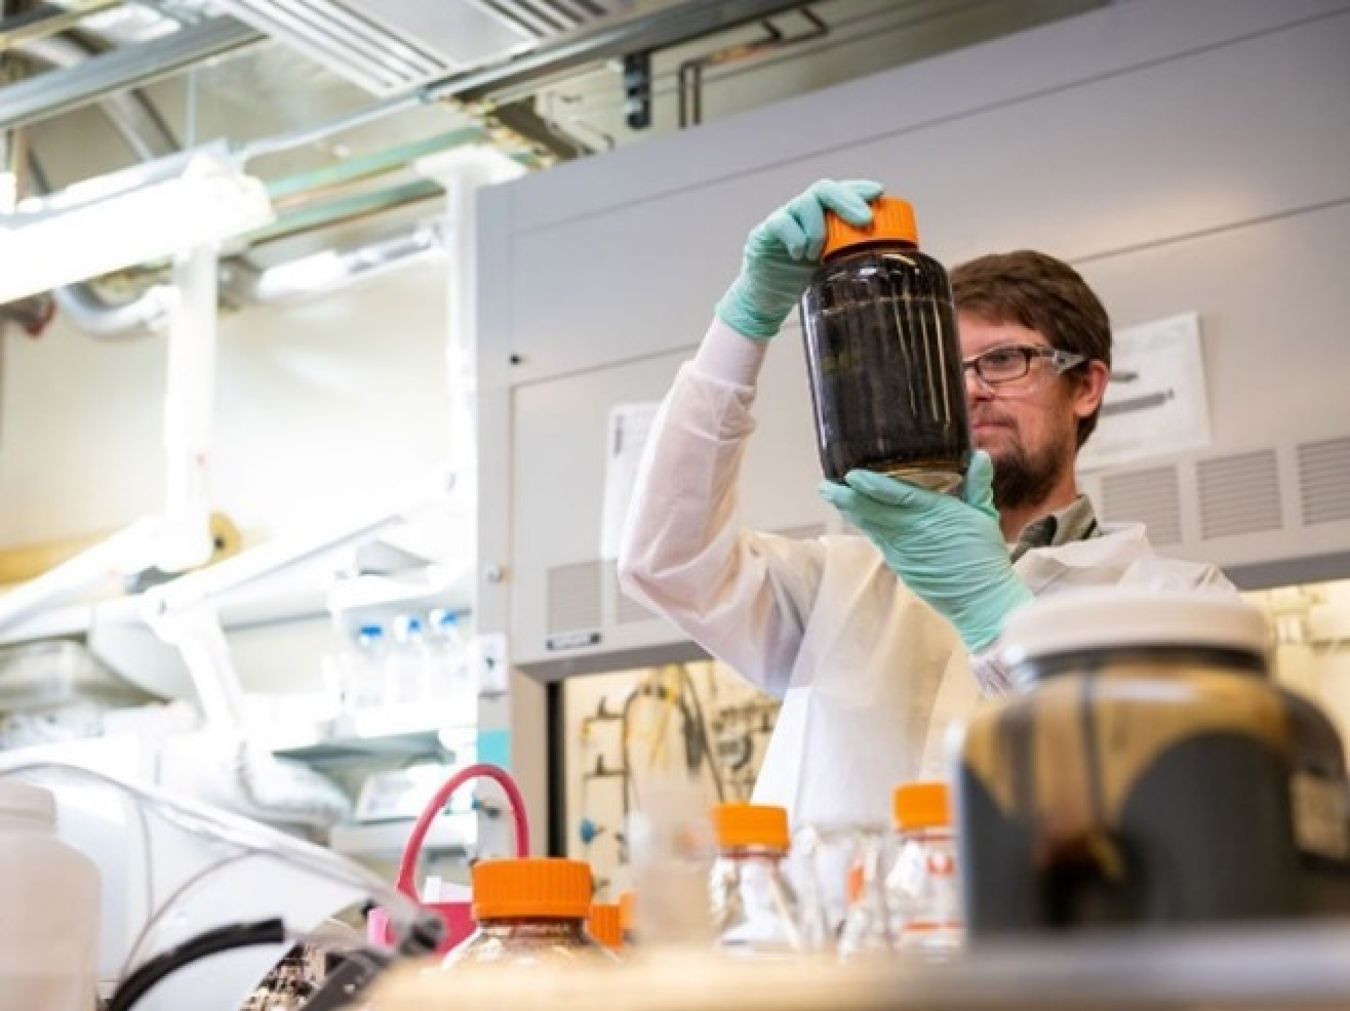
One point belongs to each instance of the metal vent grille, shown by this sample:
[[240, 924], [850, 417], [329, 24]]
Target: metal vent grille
[[1324, 480], [1239, 494], [626, 609], [1150, 497], [390, 47], [542, 18], [573, 597]]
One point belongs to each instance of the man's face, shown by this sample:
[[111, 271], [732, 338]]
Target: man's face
[[1028, 426]]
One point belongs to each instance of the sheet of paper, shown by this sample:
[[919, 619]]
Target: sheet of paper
[[1155, 404], [625, 437]]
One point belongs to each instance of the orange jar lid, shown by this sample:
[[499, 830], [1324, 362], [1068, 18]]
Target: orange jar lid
[[605, 924], [526, 887], [923, 804], [751, 825], [892, 220]]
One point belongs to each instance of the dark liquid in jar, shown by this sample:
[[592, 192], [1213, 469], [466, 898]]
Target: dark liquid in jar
[[884, 362]]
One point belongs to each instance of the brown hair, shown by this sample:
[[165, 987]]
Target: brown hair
[[1040, 293]]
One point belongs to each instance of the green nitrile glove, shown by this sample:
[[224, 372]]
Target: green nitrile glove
[[949, 551], [783, 251]]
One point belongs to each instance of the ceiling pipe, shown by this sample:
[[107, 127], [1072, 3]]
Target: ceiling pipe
[[326, 271], [145, 133], [89, 313], [141, 127], [690, 20], [136, 121]]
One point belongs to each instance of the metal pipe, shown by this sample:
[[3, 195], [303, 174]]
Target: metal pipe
[[136, 121], [690, 74], [330, 269], [308, 135], [659, 30], [38, 98], [84, 308], [45, 22]]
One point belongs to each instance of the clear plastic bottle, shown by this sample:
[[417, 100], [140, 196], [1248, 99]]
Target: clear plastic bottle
[[883, 355], [866, 930], [923, 891], [753, 906], [49, 930], [530, 911], [367, 672], [409, 661], [453, 676]]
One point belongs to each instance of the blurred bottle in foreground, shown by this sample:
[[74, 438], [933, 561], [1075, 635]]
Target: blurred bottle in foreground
[[753, 906], [671, 847], [867, 926], [529, 911], [923, 892]]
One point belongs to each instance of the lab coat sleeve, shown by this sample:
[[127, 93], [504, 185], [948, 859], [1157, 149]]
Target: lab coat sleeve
[[742, 594]]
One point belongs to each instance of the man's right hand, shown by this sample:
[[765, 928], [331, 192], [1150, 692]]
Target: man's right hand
[[783, 252]]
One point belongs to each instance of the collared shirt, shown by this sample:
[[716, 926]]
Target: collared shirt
[[1075, 522]]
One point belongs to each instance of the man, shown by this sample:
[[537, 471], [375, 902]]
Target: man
[[878, 643]]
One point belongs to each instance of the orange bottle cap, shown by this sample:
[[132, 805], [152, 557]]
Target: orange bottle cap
[[751, 825], [605, 924], [527, 887], [892, 219], [924, 804]]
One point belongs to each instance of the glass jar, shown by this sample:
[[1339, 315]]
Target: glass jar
[[1151, 772], [923, 891], [883, 354], [529, 911], [753, 906]]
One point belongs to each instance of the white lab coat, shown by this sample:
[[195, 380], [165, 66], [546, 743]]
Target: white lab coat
[[870, 676]]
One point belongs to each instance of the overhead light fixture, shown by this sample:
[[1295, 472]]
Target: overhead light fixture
[[137, 215]]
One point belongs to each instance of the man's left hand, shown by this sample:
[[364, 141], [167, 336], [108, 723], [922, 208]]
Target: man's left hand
[[947, 550]]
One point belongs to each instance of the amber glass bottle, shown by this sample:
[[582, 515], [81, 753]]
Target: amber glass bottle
[[883, 355]]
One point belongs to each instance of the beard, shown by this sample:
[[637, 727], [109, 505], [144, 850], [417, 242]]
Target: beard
[[1024, 476]]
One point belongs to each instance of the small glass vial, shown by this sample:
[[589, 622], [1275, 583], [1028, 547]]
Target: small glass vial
[[923, 892], [530, 911], [753, 907], [883, 354]]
